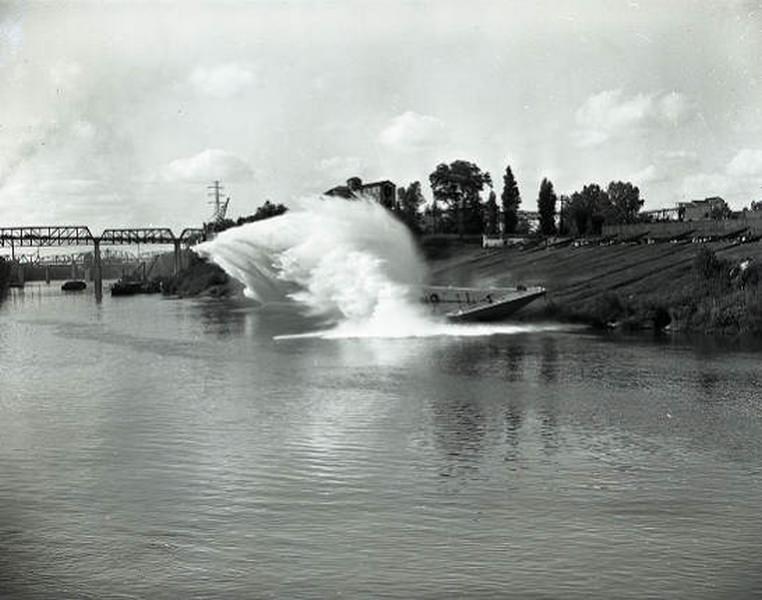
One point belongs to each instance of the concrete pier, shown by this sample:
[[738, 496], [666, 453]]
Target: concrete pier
[[97, 270], [178, 256]]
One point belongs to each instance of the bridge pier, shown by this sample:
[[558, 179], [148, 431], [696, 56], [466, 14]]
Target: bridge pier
[[97, 271], [176, 264], [47, 274]]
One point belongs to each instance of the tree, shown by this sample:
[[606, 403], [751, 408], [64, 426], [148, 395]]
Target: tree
[[491, 214], [625, 201], [546, 206], [510, 200], [409, 202], [457, 186], [266, 211], [587, 209]]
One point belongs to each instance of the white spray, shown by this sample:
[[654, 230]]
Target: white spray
[[349, 262]]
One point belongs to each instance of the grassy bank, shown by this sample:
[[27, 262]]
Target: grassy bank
[[685, 287]]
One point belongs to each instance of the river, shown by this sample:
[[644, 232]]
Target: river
[[164, 448]]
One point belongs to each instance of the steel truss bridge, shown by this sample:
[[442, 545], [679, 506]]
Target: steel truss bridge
[[80, 235]]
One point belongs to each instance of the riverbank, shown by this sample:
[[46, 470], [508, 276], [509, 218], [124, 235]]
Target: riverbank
[[200, 277], [680, 287], [632, 287]]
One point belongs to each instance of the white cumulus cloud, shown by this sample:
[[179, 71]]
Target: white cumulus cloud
[[704, 185], [650, 174], [341, 167], [207, 165], [747, 163], [221, 81], [610, 114], [413, 131]]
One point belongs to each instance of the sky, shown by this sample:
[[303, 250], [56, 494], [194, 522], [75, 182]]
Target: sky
[[120, 114]]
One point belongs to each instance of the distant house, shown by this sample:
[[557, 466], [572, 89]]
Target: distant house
[[700, 210], [384, 192]]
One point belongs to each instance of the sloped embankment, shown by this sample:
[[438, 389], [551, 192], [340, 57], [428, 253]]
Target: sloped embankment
[[637, 286]]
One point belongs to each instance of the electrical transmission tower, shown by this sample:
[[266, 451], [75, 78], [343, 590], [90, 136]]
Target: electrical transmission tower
[[220, 207]]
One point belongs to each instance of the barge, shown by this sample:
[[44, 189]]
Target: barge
[[463, 304]]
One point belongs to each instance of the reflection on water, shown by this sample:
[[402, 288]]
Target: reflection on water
[[165, 448]]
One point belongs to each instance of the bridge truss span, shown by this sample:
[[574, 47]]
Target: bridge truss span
[[150, 235], [46, 235]]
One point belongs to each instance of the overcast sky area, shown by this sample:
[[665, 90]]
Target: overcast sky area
[[117, 114]]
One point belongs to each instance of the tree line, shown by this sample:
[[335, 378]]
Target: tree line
[[459, 206]]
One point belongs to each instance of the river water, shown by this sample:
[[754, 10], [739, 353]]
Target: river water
[[160, 448]]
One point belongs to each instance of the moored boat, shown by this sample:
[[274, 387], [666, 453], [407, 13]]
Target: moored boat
[[130, 288], [478, 304], [75, 285]]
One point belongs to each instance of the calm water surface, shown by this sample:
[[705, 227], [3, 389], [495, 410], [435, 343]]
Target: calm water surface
[[155, 448]]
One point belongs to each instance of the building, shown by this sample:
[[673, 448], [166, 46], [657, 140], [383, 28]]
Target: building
[[384, 192], [700, 210]]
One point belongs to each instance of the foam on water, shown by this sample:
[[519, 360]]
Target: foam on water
[[349, 262]]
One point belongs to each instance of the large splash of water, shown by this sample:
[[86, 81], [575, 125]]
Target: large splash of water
[[351, 263]]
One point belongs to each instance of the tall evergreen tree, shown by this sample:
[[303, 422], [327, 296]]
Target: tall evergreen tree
[[510, 201], [491, 214], [546, 206]]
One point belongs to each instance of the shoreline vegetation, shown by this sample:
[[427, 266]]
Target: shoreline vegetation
[[712, 288]]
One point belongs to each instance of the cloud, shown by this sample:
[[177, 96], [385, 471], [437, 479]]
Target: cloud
[[208, 165], [679, 156], [747, 163], [739, 181], [704, 185], [11, 38], [609, 115], [341, 167], [221, 81], [650, 174], [71, 187], [65, 74], [411, 131]]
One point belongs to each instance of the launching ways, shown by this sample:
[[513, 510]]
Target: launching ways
[[80, 235]]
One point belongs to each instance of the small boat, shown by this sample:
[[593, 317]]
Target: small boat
[[126, 288], [130, 288], [75, 285], [463, 304]]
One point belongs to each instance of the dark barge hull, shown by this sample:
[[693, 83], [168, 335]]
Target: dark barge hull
[[465, 304]]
